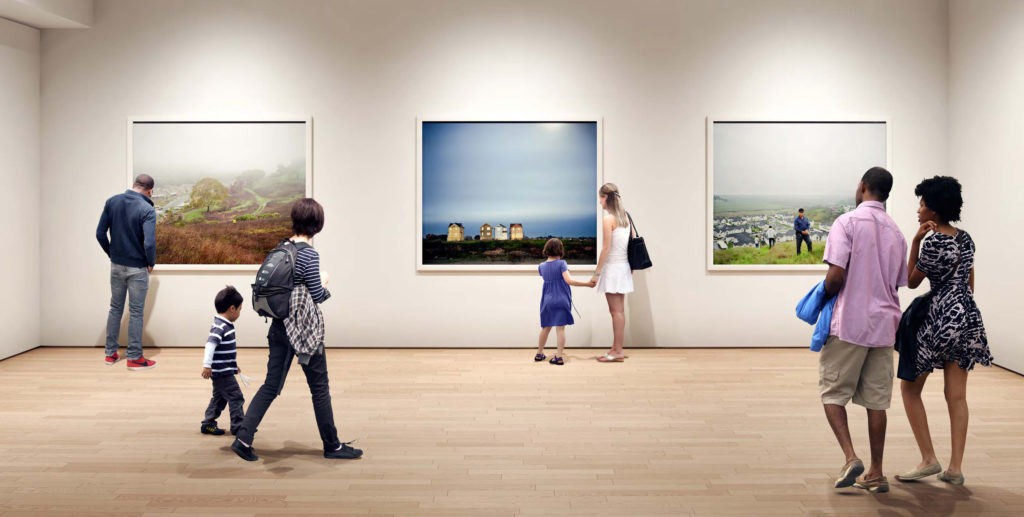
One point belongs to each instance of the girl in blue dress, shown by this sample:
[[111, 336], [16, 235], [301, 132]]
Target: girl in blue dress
[[556, 299]]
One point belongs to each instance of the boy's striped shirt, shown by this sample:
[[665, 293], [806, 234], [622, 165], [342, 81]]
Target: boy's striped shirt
[[220, 353]]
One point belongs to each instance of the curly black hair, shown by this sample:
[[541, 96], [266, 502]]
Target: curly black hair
[[942, 195]]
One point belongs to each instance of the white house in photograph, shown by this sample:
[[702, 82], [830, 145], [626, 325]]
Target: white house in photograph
[[456, 232], [501, 233]]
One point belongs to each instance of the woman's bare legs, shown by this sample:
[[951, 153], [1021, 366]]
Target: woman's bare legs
[[617, 308], [956, 400], [918, 418]]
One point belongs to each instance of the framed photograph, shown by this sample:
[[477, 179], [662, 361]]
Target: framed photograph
[[774, 188], [224, 188], [491, 193]]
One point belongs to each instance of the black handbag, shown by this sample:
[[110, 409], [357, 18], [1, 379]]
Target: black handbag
[[636, 250]]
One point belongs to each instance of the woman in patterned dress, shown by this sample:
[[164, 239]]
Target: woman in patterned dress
[[952, 336]]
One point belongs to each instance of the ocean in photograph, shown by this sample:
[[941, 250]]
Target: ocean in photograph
[[223, 191], [495, 192]]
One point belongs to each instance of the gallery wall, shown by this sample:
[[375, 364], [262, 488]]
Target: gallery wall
[[365, 71], [19, 197], [986, 127]]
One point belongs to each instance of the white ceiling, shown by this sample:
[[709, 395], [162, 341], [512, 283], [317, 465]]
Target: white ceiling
[[49, 14]]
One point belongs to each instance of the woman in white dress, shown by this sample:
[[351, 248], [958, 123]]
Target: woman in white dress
[[613, 276]]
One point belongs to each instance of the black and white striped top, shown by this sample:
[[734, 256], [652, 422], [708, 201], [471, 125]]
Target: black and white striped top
[[220, 354], [307, 271]]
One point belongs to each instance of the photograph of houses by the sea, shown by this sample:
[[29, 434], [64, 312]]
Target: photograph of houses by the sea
[[763, 173], [494, 192]]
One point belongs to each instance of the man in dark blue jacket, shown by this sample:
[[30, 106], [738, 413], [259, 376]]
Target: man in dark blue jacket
[[131, 221], [801, 225]]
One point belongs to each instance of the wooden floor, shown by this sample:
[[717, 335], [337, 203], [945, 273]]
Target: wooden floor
[[483, 432]]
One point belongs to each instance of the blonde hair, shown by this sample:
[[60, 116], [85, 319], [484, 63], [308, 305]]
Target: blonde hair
[[613, 203]]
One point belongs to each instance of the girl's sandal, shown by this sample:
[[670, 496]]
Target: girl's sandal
[[610, 359], [539, 357], [555, 360]]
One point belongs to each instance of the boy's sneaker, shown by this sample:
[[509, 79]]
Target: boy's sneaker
[[111, 359], [344, 453], [140, 364], [244, 451], [211, 429]]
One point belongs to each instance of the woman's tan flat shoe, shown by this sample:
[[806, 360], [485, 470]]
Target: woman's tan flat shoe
[[957, 479], [920, 473]]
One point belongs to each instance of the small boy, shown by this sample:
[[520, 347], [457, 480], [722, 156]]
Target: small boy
[[219, 363]]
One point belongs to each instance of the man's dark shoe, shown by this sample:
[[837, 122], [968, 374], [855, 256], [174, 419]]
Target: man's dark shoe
[[344, 453], [244, 451], [211, 429]]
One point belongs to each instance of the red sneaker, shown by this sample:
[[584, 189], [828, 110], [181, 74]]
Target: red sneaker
[[140, 364], [111, 359]]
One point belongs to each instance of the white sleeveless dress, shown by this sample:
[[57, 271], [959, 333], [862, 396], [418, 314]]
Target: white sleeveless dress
[[616, 277]]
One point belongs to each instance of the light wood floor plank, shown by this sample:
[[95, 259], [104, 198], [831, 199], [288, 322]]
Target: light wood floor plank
[[483, 433]]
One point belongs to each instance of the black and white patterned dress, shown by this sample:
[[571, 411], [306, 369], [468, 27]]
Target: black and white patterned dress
[[953, 330]]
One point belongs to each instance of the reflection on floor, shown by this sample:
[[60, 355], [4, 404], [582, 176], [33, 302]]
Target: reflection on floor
[[483, 432]]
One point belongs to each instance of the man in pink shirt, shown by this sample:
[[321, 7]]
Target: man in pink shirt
[[867, 262]]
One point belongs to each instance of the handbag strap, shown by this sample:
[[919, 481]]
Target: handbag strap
[[633, 226]]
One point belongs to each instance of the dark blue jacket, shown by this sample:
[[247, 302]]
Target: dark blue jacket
[[801, 223], [131, 220]]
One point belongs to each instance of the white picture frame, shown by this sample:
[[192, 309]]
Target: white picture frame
[[709, 238], [130, 170], [498, 268]]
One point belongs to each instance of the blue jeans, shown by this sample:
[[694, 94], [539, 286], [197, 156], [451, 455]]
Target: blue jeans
[[133, 281]]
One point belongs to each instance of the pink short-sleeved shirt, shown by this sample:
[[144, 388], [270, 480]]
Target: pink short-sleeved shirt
[[870, 247]]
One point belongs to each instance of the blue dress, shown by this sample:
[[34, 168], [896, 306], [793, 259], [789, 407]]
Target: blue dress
[[556, 299]]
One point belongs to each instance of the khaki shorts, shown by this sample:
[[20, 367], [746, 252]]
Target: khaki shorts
[[851, 371]]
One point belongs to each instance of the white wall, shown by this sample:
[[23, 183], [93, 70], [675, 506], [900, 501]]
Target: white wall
[[19, 197], [365, 70], [986, 136]]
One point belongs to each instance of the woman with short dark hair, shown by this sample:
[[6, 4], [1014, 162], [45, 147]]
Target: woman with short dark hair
[[307, 221], [952, 337]]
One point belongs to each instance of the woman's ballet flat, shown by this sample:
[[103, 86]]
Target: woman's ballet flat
[[957, 479], [920, 473], [610, 359]]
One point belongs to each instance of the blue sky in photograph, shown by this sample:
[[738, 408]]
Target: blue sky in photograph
[[540, 174]]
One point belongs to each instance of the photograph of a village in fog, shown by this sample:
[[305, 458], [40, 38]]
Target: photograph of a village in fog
[[224, 190], [494, 192], [763, 173]]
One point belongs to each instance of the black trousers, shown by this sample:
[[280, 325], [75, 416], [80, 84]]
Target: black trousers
[[225, 392], [800, 239], [771, 243], [278, 364]]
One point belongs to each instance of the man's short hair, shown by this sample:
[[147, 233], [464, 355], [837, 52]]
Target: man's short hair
[[307, 217], [144, 181], [227, 298], [879, 182], [801, 210]]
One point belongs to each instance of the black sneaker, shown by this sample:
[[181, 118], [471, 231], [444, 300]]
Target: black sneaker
[[211, 429], [344, 453], [244, 451]]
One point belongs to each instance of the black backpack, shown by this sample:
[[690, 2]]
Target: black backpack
[[275, 281]]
